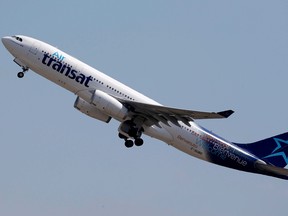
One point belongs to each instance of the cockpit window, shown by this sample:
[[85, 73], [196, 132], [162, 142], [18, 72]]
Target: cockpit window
[[18, 38]]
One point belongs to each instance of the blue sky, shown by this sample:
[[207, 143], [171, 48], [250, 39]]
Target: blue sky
[[202, 55]]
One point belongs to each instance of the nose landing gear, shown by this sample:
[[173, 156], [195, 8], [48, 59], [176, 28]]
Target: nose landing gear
[[22, 73]]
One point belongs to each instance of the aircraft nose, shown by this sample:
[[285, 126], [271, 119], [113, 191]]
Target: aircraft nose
[[5, 40], [8, 43]]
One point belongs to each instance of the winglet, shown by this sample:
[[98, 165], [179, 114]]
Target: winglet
[[226, 113]]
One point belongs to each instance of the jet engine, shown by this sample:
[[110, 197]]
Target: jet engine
[[109, 105], [90, 110]]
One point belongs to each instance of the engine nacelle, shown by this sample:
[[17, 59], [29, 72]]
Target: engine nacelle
[[109, 105], [90, 110]]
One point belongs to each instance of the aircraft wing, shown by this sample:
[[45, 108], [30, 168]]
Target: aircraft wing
[[157, 113]]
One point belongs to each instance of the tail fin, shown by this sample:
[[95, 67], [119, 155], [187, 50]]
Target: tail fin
[[273, 150]]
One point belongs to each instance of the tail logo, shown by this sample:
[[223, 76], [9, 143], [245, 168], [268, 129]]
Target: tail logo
[[280, 150]]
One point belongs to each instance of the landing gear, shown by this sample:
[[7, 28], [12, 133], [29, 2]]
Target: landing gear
[[129, 142], [138, 142], [21, 74], [130, 130]]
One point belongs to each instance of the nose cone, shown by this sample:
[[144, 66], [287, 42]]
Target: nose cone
[[7, 42]]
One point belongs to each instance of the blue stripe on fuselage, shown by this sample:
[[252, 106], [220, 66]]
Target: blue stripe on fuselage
[[223, 152]]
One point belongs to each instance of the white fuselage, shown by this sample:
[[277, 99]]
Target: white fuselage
[[81, 79], [102, 97]]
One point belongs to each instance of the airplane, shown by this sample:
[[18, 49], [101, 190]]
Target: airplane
[[103, 98]]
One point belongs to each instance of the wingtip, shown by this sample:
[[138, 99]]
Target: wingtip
[[226, 113]]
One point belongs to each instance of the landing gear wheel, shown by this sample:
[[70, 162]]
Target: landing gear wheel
[[138, 142], [129, 143], [20, 75], [121, 136]]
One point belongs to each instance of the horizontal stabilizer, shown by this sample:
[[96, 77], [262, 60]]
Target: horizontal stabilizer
[[272, 170]]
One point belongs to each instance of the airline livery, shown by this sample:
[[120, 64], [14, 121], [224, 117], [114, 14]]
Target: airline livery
[[103, 98]]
